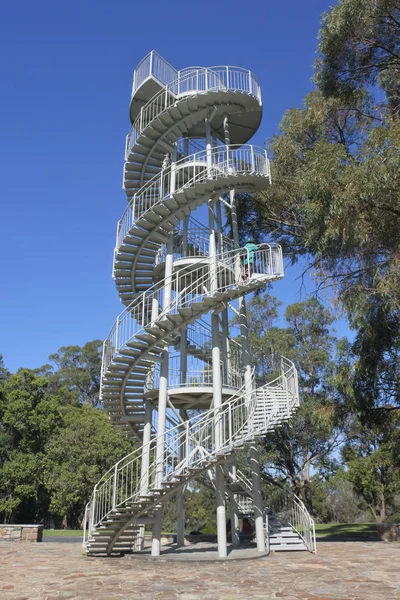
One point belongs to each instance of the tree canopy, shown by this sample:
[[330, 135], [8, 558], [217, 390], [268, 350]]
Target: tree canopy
[[335, 193], [54, 443]]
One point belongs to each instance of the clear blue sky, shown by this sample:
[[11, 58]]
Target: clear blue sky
[[66, 72]]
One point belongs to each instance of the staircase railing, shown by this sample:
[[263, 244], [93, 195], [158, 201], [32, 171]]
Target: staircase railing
[[288, 507], [201, 441], [200, 167], [191, 81], [229, 272], [196, 244], [195, 440]]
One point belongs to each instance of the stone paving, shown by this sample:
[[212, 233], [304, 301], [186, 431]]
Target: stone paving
[[350, 570]]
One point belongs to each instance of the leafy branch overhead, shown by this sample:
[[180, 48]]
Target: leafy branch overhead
[[335, 193]]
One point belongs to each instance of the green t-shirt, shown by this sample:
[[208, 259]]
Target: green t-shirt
[[251, 247]]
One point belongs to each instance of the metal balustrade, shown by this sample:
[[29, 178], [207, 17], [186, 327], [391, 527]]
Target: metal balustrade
[[197, 374], [244, 504], [190, 81], [153, 65], [230, 270], [288, 508], [194, 243], [185, 449], [203, 166]]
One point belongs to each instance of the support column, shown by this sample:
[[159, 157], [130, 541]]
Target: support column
[[163, 388], [219, 472], [234, 512], [180, 498], [180, 538], [181, 492], [217, 382], [244, 333], [144, 476], [224, 314], [257, 498]]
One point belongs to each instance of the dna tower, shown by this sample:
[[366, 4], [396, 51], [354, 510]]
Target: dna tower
[[175, 374]]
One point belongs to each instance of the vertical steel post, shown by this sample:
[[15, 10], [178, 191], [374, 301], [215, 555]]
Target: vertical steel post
[[244, 333], [163, 386], [216, 367], [180, 538], [144, 475], [234, 511]]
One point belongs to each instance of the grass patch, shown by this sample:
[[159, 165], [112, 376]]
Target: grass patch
[[62, 533], [78, 533], [350, 530]]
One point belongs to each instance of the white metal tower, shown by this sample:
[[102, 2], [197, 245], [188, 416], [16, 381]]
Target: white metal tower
[[172, 375]]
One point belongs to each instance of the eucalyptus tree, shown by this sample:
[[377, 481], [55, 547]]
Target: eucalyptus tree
[[335, 194], [296, 450]]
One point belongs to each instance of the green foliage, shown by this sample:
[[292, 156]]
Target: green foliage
[[76, 458], [21, 486], [199, 510], [78, 372], [359, 46], [27, 413], [372, 460], [54, 446], [310, 437], [335, 500], [335, 196]]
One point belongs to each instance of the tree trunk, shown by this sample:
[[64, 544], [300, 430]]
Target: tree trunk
[[306, 484], [382, 511]]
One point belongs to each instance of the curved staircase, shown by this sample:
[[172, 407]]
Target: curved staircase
[[168, 278], [119, 505]]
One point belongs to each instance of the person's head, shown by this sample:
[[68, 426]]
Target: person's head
[[250, 240]]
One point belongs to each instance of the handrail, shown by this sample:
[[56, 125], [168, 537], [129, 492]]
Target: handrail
[[290, 507], [220, 161], [195, 245], [230, 272], [153, 64], [199, 432], [190, 81], [198, 374], [203, 438]]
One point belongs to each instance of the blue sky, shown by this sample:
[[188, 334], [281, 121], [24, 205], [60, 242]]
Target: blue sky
[[66, 73]]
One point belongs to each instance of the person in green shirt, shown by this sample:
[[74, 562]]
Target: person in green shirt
[[248, 258]]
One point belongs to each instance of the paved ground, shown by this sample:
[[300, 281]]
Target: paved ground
[[350, 571]]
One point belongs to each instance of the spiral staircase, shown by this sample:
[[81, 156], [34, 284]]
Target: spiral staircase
[[172, 272]]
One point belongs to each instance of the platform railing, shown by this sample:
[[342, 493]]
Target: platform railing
[[197, 374], [196, 244], [203, 166], [153, 65], [188, 82], [244, 503]]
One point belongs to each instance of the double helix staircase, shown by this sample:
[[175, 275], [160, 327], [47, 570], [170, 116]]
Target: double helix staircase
[[169, 276]]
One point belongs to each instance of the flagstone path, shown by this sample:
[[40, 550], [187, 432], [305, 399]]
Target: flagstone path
[[340, 571]]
